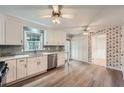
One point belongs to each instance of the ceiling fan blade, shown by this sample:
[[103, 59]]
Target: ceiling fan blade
[[46, 16], [55, 8], [67, 16]]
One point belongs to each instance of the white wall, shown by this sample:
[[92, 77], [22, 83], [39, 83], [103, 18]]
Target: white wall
[[79, 48]]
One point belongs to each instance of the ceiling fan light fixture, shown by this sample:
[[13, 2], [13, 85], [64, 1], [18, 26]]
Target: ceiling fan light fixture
[[56, 20], [55, 8], [85, 33]]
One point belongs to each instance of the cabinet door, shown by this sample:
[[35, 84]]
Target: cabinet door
[[32, 66], [21, 68], [60, 38], [48, 37], [39, 64], [54, 37], [57, 38], [11, 75], [44, 63], [60, 59], [14, 31], [2, 30], [45, 38]]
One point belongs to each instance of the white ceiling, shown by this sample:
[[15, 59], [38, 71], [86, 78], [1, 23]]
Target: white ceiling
[[83, 15]]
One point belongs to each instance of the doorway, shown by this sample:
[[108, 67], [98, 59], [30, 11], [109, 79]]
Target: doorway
[[68, 49], [99, 49]]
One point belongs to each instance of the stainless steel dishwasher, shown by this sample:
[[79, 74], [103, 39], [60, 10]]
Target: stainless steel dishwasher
[[52, 61]]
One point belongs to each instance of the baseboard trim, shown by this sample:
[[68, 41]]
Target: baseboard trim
[[79, 60], [99, 65], [27, 77]]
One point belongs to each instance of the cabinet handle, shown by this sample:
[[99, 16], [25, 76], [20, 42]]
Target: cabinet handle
[[25, 66]]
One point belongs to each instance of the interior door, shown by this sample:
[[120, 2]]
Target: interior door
[[79, 48], [99, 49]]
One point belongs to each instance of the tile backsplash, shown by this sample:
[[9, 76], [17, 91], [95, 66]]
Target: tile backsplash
[[8, 50]]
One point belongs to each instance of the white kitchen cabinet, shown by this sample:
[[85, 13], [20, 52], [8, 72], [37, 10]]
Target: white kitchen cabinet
[[21, 68], [39, 64], [2, 32], [60, 59], [11, 74], [14, 31], [54, 37], [43, 63], [11, 30], [32, 66], [36, 65], [48, 38], [61, 38]]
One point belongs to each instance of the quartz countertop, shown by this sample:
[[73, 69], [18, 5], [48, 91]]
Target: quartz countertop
[[26, 56], [13, 57]]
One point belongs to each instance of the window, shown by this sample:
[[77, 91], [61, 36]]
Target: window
[[33, 39]]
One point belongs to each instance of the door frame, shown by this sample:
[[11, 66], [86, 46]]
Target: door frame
[[69, 48]]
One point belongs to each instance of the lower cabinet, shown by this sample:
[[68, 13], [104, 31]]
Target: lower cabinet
[[60, 59], [21, 68], [32, 65], [36, 65], [43, 63], [39, 64], [11, 75]]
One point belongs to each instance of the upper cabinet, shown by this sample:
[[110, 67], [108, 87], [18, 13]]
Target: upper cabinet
[[2, 30], [11, 31], [54, 37], [14, 31]]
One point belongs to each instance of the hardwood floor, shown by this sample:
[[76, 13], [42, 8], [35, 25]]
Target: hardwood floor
[[77, 75]]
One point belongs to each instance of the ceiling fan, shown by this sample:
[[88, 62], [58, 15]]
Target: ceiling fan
[[56, 14], [86, 29]]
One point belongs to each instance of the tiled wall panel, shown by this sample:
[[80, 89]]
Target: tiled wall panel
[[113, 46]]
